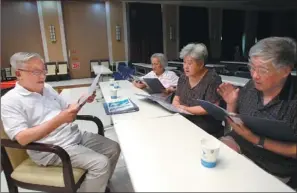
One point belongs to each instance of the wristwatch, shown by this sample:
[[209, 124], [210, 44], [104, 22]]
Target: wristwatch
[[261, 142]]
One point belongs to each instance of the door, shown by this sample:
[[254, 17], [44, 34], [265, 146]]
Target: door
[[86, 35]]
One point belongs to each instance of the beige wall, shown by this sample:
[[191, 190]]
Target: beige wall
[[170, 18], [86, 34], [49, 11], [20, 30], [116, 18]]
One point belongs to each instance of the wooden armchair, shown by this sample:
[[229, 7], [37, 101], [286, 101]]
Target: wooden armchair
[[21, 171]]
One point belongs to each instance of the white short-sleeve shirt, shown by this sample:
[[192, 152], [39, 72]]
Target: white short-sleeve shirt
[[22, 109], [168, 78]]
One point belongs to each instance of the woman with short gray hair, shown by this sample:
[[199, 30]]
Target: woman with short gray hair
[[198, 83], [168, 78]]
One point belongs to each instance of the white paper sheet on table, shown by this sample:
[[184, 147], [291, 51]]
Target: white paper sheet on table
[[91, 90]]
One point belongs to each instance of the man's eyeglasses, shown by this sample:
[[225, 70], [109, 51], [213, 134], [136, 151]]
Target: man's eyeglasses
[[35, 72], [260, 71]]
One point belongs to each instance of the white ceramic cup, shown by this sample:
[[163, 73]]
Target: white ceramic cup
[[209, 152], [113, 93]]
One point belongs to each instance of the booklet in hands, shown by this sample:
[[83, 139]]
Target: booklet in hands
[[271, 128], [91, 90]]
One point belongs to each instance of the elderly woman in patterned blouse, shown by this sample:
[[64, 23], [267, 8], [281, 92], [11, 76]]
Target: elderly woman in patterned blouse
[[198, 83]]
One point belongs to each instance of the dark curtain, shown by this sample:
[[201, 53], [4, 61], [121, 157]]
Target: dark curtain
[[232, 32], [146, 34], [193, 27]]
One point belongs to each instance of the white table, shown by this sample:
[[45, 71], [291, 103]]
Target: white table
[[215, 65], [234, 62], [175, 62], [101, 69], [95, 108], [163, 155], [72, 82], [127, 90], [294, 73], [237, 81]]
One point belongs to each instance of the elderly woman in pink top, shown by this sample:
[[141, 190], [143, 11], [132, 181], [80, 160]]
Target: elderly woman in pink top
[[168, 78]]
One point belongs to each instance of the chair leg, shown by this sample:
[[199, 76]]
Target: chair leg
[[293, 182], [11, 187], [7, 169], [107, 190]]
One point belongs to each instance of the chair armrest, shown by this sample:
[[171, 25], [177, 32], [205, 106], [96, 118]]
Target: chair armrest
[[66, 163], [94, 119], [37, 147]]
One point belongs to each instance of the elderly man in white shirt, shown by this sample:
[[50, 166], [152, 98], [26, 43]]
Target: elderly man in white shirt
[[168, 78], [34, 112]]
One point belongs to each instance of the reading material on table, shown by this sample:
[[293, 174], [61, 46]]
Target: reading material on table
[[91, 90], [164, 104], [120, 106], [271, 128]]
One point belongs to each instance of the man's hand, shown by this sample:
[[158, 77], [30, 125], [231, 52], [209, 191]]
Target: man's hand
[[169, 90], [92, 97], [139, 84], [228, 92], [68, 115], [243, 131], [182, 107]]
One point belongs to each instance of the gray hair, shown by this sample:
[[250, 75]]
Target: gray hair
[[162, 58], [280, 50], [20, 58], [196, 51]]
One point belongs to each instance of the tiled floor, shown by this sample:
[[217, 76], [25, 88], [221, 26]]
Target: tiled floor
[[120, 182]]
